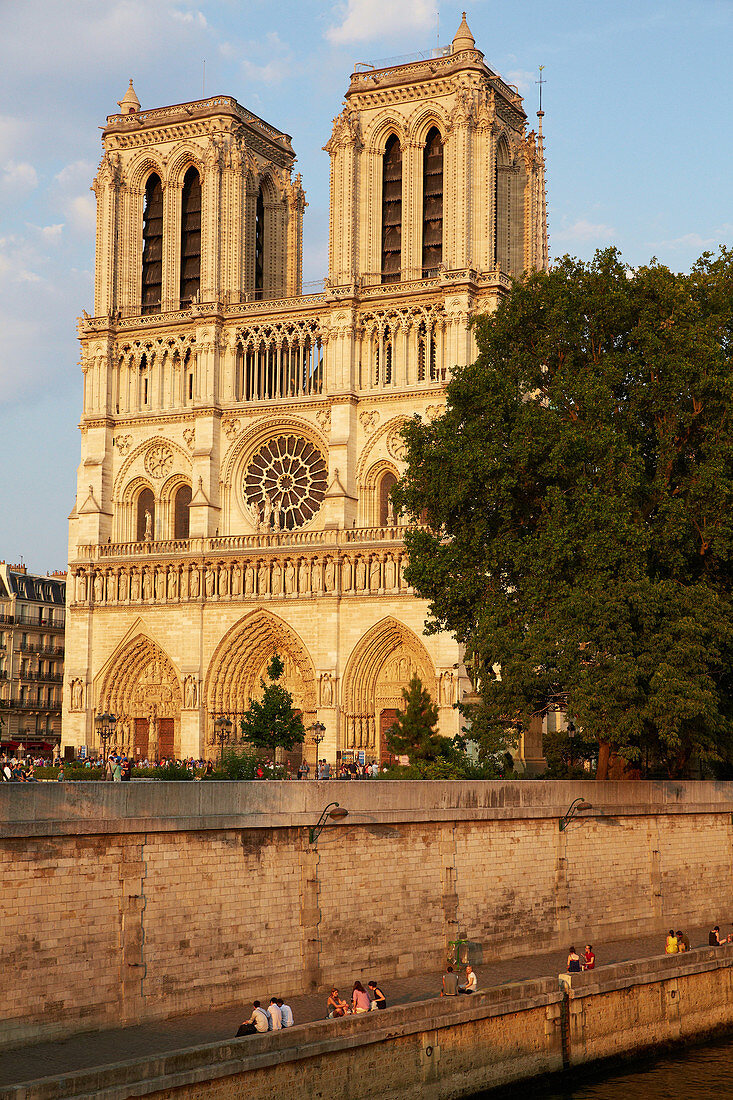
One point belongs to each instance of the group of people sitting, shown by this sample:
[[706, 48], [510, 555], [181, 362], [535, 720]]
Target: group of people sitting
[[677, 942], [273, 1018], [362, 1000], [452, 985], [584, 961]]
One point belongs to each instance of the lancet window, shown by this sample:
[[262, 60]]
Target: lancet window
[[145, 505], [432, 226], [386, 509], [190, 237], [392, 211], [259, 245], [181, 505], [502, 211], [152, 273]]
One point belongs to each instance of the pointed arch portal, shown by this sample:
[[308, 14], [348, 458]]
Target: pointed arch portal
[[141, 687], [381, 665]]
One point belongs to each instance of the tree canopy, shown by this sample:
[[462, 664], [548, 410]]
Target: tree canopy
[[413, 732], [578, 492], [272, 722]]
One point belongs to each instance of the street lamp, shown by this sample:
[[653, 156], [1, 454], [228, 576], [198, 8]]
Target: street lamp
[[576, 806], [221, 733], [319, 732], [332, 810], [105, 724]]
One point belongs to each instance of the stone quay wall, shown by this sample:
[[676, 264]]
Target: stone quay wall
[[127, 902], [439, 1049]]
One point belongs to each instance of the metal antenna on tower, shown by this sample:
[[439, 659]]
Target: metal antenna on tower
[[541, 81], [437, 18]]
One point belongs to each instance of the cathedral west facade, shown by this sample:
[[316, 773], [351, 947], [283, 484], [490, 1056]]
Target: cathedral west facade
[[240, 438]]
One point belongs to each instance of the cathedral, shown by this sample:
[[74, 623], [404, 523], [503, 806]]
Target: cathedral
[[239, 438]]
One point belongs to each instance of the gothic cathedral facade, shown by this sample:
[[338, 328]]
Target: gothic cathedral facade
[[240, 438]]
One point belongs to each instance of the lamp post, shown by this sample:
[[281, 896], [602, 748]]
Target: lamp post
[[332, 810], [575, 807], [319, 732], [105, 724], [221, 733]]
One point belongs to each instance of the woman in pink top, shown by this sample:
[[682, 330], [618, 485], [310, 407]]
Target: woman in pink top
[[360, 998]]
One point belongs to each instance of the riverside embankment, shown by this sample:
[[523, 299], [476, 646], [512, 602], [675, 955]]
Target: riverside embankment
[[124, 903], [438, 1049]]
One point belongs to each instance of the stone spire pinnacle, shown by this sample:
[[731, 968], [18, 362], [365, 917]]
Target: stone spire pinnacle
[[463, 39], [129, 104]]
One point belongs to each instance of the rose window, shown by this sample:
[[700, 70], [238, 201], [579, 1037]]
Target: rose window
[[285, 482]]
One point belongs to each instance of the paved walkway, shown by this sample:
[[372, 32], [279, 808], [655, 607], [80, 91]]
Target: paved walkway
[[158, 1037]]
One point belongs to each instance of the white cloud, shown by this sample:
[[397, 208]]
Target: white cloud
[[281, 61], [688, 240], [11, 131], [18, 176], [196, 18], [522, 79], [49, 233], [76, 173], [365, 20], [585, 231], [82, 213]]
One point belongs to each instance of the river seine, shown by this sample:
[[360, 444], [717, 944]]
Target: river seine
[[696, 1073]]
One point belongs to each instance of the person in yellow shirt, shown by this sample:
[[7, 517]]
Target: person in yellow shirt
[[671, 947]]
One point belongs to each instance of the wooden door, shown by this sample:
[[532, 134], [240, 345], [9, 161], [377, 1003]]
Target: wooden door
[[386, 719], [165, 739], [142, 730]]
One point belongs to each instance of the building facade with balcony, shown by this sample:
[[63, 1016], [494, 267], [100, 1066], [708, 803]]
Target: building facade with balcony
[[240, 438], [32, 625]]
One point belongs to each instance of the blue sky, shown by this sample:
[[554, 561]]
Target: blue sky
[[637, 132]]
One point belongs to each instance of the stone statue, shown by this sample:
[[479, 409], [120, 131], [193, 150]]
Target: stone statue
[[316, 576], [223, 580], [209, 581], [173, 584], [236, 579], [346, 575], [98, 590], [184, 584], [374, 571], [267, 512], [390, 512], [262, 579], [304, 577], [81, 586], [326, 691], [111, 584], [77, 695], [147, 585], [189, 693], [389, 573], [289, 577], [360, 575], [160, 583], [249, 581], [257, 516], [447, 688], [124, 583], [148, 525], [277, 579], [330, 575], [195, 581], [134, 585]]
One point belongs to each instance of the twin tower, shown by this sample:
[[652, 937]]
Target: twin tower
[[240, 438]]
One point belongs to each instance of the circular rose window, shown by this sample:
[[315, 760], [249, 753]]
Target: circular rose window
[[285, 482]]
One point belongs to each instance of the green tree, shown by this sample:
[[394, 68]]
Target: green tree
[[413, 732], [273, 723], [579, 497]]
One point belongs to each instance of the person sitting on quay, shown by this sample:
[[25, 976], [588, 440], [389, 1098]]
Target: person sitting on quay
[[359, 998], [574, 966], [588, 960], [286, 1013], [714, 939], [259, 1021], [450, 983], [336, 1005], [274, 1014], [377, 997], [671, 947], [683, 943], [471, 983]]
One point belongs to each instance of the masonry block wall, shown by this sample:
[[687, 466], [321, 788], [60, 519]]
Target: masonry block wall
[[145, 900]]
